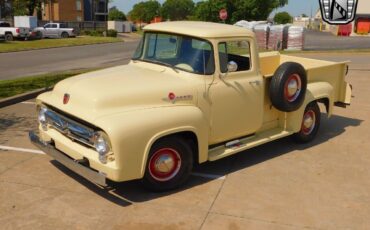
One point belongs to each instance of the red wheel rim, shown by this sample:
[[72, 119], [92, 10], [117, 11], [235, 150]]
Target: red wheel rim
[[164, 164], [309, 122], [292, 88]]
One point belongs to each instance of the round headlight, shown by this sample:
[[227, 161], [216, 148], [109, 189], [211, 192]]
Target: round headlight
[[42, 115], [102, 146]]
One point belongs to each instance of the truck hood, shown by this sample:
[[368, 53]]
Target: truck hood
[[119, 89]]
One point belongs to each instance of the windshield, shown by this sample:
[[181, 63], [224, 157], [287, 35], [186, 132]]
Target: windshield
[[177, 51]]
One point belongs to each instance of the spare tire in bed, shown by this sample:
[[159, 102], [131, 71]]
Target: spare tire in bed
[[288, 87]]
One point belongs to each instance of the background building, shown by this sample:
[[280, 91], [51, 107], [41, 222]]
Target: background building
[[63, 10], [75, 10], [96, 10]]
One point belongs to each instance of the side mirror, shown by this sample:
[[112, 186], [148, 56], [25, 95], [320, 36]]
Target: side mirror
[[232, 66]]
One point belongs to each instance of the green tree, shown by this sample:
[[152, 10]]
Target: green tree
[[237, 9], [116, 15], [177, 9], [145, 11], [304, 15], [283, 18]]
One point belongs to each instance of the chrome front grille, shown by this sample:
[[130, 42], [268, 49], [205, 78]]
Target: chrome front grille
[[70, 128]]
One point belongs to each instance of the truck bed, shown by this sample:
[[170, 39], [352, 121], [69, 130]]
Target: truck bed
[[317, 71]]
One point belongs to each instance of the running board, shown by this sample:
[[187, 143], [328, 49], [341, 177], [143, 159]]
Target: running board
[[239, 145]]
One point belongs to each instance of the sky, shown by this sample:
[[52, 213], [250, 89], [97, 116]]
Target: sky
[[295, 7]]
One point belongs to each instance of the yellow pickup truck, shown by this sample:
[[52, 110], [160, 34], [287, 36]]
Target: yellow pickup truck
[[193, 92]]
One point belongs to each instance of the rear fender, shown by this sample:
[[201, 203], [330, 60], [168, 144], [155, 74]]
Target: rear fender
[[315, 91]]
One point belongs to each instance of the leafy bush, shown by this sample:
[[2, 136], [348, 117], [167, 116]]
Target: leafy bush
[[116, 15], [283, 18], [112, 33]]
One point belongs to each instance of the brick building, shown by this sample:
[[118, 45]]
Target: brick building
[[63, 10], [75, 10]]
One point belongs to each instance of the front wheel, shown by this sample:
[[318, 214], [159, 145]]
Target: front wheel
[[169, 164], [310, 124]]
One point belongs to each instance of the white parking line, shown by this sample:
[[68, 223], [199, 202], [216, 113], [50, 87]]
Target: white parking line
[[209, 176], [28, 102], [21, 150]]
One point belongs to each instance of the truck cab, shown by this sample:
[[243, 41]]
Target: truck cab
[[193, 92]]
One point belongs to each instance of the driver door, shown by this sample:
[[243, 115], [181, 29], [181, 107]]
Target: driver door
[[237, 96]]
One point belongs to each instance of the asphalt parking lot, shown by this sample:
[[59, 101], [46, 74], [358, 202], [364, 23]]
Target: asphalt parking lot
[[316, 40], [281, 185]]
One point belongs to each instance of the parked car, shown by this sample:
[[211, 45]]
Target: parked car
[[54, 30], [2, 38], [193, 92], [10, 33]]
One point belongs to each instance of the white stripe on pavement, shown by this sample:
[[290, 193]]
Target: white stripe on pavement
[[28, 102], [21, 149], [209, 176]]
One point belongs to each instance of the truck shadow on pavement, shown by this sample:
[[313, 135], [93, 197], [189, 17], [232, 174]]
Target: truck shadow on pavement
[[128, 193]]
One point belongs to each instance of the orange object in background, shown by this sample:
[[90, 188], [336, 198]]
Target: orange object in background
[[363, 26], [345, 30], [156, 19]]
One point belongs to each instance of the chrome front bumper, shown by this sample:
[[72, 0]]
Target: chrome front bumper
[[76, 167]]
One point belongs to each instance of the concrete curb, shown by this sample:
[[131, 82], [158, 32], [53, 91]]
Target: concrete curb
[[22, 97]]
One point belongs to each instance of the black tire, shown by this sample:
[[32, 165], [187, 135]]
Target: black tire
[[38, 35], [308, 133], [9, 37], [65, 35], [280, 96], [157, 181]]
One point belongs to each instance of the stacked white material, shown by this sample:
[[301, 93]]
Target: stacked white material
[[296, 38], [262, 35], [278, 37], [249, 25]]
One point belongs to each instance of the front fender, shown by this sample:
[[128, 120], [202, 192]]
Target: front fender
[[315, 91], [133, 133]]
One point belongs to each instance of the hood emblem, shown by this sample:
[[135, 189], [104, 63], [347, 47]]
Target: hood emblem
[[66, 98], [172, 97]]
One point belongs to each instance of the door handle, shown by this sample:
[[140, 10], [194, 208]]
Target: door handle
[[256, 82]]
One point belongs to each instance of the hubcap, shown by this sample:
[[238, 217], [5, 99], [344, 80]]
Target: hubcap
[[164, 164], [292, 88], [309, 122]]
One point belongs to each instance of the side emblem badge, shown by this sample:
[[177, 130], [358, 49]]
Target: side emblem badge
[[66, 98]]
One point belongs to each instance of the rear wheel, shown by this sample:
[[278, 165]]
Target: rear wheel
[[9, 37], [310, 124], [65, 35], [169, 164]]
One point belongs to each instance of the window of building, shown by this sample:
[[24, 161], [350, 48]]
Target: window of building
[[78, 5]]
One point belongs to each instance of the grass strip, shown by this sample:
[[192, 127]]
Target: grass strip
[[17, 86], [54, 43]]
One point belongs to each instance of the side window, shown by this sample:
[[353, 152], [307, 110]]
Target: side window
[[236, 51], [54, 26], [47, 26]]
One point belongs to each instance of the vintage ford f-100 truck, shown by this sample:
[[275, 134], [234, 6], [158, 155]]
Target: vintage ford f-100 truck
[[193, 92]]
